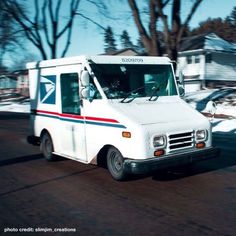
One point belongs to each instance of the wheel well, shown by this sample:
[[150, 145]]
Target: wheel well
[[101, 156], [46, 145], [44, 131]]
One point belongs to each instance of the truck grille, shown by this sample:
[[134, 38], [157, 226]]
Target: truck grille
[[179, 141]]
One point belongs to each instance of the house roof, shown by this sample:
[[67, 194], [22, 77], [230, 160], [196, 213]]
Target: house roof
[[209, 41], [125, 52]]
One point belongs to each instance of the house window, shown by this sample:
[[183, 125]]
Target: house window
[[189, 60], [197, 59], [193, 59], [208, 58]]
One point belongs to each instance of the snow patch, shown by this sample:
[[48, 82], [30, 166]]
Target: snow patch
[[15, 107], [224, 126]]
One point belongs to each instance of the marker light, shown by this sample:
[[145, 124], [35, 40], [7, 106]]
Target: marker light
[[126, 134], [159, 153], [200, 145]]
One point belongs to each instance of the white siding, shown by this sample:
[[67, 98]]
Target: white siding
[[193, 86], [193, 73], [222, 67], [194, 69]]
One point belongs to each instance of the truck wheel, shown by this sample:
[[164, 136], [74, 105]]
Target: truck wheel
[[115, 164], [46, 147]]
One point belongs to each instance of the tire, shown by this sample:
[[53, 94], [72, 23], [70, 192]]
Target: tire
[[46, 146], [115, 164]]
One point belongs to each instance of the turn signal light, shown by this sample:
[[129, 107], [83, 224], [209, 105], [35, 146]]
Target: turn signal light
[[200, 145], [159, 153], [126, 134]]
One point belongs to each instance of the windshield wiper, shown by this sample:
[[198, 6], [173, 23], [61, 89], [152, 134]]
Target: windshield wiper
[[130, 93], [155, 90]]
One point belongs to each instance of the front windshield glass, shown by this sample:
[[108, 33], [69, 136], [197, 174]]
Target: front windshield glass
[[122, 81]]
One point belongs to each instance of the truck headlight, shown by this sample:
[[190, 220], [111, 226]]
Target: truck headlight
[[201, 134], [159, 141]]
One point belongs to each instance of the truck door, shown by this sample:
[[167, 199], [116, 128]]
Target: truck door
[[72, 135]]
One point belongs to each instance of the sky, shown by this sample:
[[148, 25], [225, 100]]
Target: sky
[[88, 39]]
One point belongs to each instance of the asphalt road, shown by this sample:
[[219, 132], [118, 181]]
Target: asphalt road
[[38, 196]]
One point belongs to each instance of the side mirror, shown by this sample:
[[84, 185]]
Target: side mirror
[[85, 93], [180, 82], [85, 78], [181, 91], [84, 87]]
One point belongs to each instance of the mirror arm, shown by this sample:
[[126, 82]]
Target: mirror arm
[[81, 102]]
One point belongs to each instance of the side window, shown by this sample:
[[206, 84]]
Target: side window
[[70, 99]]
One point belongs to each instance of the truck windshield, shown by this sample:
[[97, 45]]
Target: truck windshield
[[123, 81]]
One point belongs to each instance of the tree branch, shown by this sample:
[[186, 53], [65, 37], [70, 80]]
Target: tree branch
[[137, 19], [36, 23], [45, 28], [165, 3], [176, 21], [54, 24], [152, 28], [89, 19], [68, 42], [57, 11], [73, 7], [163, 17], [192, 11], [188, 19]]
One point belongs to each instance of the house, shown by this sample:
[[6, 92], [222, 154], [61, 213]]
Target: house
[[15, 82], [123, 52], [22, 82], [8, 84], [207, 61]]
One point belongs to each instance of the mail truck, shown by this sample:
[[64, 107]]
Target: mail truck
[[124, 111]]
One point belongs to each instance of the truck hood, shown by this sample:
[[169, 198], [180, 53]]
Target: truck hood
[[164, 110]]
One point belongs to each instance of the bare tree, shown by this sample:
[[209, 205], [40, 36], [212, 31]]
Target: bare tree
[[10, 35], [43, 28], [173, 26]]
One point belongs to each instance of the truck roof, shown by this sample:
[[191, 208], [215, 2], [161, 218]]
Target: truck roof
[[99, 59]]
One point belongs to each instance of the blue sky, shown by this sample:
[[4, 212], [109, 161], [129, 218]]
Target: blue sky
[[88, 38]]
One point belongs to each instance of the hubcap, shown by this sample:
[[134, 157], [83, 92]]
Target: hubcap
[[117, 162], [48, 147]]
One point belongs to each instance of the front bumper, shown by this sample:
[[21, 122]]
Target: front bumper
[[173, 160]]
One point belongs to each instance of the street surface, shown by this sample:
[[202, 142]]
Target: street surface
[[38, 196]]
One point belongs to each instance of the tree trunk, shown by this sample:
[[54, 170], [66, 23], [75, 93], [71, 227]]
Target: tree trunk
[[172, 29], [37, 28]]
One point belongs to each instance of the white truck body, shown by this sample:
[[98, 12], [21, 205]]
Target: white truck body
[[139, 114]]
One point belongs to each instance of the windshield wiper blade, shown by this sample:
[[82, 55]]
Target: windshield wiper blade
[[130, 93], [155, 90]]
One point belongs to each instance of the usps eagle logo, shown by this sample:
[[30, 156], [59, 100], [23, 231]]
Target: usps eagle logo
[[48, 89]]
